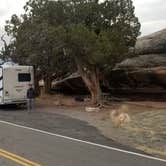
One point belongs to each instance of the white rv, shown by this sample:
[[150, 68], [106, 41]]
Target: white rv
[[14, 82]]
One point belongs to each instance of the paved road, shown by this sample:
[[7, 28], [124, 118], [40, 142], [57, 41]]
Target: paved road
[[53, 150], [58, 123]]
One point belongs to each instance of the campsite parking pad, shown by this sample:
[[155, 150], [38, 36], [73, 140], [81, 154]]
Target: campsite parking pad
[[49, 150]]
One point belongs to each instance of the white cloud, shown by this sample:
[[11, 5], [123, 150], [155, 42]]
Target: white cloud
[[1, 33], [151, 14], [10, 7], [7, 9], [153, 26]]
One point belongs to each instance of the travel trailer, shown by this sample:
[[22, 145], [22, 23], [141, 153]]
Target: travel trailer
[[14, 82]]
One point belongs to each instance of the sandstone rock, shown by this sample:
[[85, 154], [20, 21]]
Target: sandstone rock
[[152, 44], [142, 80], [146, 71], [143, 61]]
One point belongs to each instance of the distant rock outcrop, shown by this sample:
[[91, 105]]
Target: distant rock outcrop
[[146, 71], [144, 61], [150, 51], [152, 44]]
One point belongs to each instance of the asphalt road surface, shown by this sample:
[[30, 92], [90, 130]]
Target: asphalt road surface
[[35, 148]]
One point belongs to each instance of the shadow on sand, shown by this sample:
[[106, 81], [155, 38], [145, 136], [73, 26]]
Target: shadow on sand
[[12, 107]]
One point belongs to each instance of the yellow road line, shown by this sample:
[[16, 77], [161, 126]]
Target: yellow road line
[[17, 159]]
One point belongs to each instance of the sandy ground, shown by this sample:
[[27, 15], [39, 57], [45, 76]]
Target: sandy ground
[[146, 130]]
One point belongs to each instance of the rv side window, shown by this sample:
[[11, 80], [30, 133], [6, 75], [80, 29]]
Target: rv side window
[[24, 77]]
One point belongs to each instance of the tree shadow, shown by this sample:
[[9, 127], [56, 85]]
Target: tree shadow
[[12, 107]]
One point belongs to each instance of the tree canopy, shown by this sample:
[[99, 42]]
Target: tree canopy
[[85, 34]]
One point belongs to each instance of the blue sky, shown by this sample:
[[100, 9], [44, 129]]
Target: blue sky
[[151, 13]]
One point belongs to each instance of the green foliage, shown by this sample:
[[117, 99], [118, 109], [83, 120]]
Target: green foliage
[[38, 39], [97, 32], [101, 33], [56, 35], [93, 49]]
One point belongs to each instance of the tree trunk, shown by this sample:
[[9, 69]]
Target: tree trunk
[[37, 87], [36, 82], [95, 93], [91, 79], [47, 84]]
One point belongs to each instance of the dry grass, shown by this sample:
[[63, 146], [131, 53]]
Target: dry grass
[[156, 152], [148, 130], [60, 100]]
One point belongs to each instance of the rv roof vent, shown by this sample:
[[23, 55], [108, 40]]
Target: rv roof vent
[[10, 64]]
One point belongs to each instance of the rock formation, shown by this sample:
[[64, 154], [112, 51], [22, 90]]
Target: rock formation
[[146, 71]]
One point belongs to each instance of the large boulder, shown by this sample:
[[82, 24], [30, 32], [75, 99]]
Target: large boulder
[[152, 44], [143, 80], [150, 51], [146, 71], [143, 61]]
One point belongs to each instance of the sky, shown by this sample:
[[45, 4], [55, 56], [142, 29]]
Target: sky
[[151, 14]]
